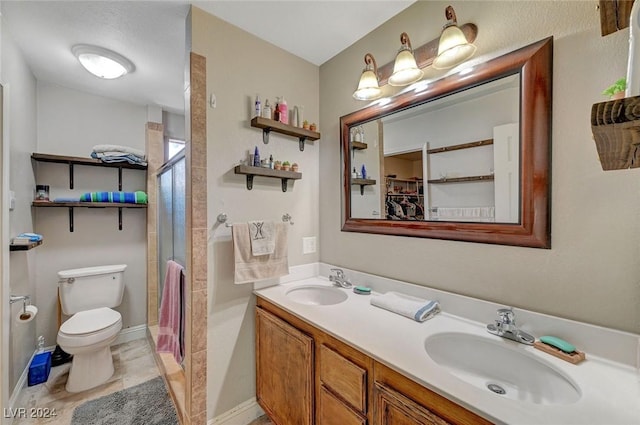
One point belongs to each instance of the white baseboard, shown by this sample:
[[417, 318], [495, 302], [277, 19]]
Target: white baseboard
[[17, 391], [242, 414], [131, 334]]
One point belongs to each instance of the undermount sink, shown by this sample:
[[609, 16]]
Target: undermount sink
[[498, 367], [317, 295]]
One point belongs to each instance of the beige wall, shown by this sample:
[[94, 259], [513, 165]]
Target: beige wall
[[71, 122], [239, 66], [20, 119], [591, 272]]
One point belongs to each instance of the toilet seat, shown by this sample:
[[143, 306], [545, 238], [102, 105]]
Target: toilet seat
[[89, 327]]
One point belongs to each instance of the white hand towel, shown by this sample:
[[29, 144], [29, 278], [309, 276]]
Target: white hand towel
[[406, 305], [251, 268], [262, 236]]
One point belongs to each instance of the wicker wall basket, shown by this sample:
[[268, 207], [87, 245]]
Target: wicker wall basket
[[616, 130]]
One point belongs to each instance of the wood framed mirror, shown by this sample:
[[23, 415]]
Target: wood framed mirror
[[527, 72]]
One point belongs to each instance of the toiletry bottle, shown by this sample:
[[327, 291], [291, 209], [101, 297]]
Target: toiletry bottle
[[354, 174], [276, 113], [266, 112], [284, 111], [256, 157], [363, 171], [294, 117], [258, 106], [271, 161]]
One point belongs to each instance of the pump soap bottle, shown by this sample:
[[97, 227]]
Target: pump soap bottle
[[284, 111]]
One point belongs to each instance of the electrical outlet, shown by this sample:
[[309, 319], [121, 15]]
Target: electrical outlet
[[309, 245]]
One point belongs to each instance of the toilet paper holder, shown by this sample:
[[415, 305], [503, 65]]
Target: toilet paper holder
[[24, 298]]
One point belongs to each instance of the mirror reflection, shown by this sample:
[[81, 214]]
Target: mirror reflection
[[465, 157], [452, 159]]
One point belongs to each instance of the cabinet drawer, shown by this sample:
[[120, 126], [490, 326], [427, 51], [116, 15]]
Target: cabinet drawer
[[344, 378], [334, 412]]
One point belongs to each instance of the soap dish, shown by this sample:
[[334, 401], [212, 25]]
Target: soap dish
[[575, 357]]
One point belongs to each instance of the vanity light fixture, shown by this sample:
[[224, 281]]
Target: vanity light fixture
[[101, 62], [405, 68], [453, 47], [368, 88]]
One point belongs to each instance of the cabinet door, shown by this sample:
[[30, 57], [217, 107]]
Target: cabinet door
[[284, 369], [332, 411], [393, 408]]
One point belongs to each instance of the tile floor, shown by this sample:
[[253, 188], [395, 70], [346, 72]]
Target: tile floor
[[133, 362], [262, 420]]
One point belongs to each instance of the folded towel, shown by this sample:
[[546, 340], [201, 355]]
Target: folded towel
[[119, 157], [251, 268], [170, 315], [406, 305], [66, 199], [261, 234], [119, 148], [138, 197], [33, 237]]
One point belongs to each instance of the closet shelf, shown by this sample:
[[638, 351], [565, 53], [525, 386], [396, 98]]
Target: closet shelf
[[615, 125], [359, 145], [461, 146], [24, 247], [362, 183], [268, 125], [488, 177], [250, 172]]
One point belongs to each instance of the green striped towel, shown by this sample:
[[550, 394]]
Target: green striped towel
[[138, 197]]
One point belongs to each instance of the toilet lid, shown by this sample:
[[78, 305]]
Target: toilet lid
[[89, 321]]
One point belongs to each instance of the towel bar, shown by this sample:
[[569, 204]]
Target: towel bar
[[223, 218]]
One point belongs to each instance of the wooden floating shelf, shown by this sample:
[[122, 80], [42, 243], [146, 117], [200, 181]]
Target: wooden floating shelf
[[76, 160], [250, 172], [72, 205], [359, 145], [468, 179], [616, 131], [268, 125], [461, 146], [362, 183], [45, 204], [24, 247]]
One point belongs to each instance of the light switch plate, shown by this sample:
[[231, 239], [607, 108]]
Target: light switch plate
[[309, 245]]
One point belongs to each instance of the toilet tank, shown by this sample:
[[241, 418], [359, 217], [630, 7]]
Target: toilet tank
[[91, 287]]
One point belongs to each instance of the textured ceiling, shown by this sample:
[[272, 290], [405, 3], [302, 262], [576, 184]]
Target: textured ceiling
[[152, 35]]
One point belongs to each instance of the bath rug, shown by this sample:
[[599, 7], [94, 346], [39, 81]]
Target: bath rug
[[145, 404]]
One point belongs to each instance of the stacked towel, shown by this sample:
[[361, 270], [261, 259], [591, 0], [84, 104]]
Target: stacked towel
[[406, 305], [117, 153], [33, 237], [138, 197], [251, 268]]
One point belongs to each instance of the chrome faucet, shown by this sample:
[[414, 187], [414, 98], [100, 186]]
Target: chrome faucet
[[339, 279], [506, 327]]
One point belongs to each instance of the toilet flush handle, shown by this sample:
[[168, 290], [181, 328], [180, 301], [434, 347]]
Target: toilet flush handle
[[68, 280]]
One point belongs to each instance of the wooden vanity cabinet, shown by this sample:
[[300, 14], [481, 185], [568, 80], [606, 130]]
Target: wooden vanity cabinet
[[305, 376], [284, 363]]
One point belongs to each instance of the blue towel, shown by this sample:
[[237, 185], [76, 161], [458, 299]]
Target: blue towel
[[66, 199], [33, 237]]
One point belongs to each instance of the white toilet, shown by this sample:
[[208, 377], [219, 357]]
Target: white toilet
[[88, 296]]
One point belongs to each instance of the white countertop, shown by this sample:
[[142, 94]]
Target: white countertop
[[610, 391]]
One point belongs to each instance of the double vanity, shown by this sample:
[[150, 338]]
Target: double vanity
[[325, 355]]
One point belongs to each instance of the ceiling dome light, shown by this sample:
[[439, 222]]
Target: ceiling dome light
[[101, 62]]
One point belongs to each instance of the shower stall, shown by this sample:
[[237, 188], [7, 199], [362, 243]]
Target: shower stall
[[171, 216]]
